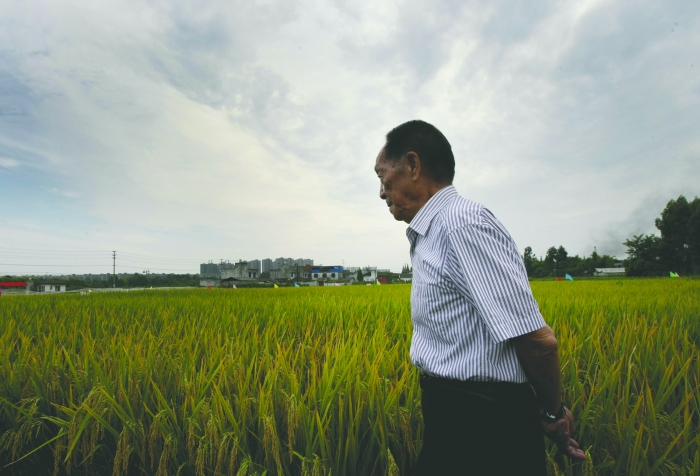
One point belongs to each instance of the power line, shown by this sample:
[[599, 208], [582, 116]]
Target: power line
[[54, 265], [50, 252], [96, 265], [128, 256], [68, 258], [157, 269], [163, 258], [53, 251], [92, 255], [84, 266], [161, 262], [97, 258]]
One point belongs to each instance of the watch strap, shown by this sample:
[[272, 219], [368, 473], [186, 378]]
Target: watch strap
[[552, 418]]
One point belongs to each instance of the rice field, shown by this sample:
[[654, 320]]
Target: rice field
[[317, 381]]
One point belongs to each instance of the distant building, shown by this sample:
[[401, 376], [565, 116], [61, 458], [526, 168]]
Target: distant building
[[324, 273], [308, 283], [279, 262], [225, 268], [97, 277], [206, 282], [50, 287], [254, 265], [609, 272], [369, 273], [13, 284], [229, 282], [209, 270], [13, 287], [406, 277], [269, 264], [281, 272], [295, 272], [239, 271]]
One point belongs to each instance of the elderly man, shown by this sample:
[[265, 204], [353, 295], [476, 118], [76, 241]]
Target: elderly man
[[489, 365]]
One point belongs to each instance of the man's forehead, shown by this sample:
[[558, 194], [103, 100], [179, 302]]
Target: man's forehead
[[380, 162]]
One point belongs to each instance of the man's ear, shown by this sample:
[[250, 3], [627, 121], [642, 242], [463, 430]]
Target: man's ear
[[414, 165]]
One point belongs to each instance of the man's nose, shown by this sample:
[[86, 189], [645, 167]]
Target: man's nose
[[382, 194]]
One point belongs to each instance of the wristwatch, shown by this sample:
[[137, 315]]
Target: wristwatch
[[549, 418]]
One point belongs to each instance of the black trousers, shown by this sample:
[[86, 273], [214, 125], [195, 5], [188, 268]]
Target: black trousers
[[480, 429]]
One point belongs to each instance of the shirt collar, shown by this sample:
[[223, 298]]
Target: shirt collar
[[421, 222]]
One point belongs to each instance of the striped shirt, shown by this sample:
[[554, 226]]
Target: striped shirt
[[470, 292]]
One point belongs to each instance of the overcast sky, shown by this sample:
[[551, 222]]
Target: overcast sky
[[183, 131]]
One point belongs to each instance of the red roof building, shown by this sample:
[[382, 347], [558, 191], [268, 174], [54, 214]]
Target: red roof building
[[13, 284]]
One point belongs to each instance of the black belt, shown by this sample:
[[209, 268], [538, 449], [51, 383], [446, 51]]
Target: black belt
[[485, 389]]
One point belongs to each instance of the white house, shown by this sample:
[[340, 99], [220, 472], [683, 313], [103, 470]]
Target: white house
[[50, 287], [206, 282], [369, 273], [609, 272]]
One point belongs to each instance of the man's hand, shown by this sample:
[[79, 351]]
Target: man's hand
[[560, 432], [538, 354]]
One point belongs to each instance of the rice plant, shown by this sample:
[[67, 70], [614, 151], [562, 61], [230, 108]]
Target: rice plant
[[318, 381]]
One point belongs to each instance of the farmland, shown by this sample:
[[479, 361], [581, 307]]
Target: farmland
[[318, 381]]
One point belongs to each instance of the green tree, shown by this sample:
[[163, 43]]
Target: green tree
[[562, 255], [529, 260], [550, 259], [673, 225], [359, 276], [137, 281], [694, 236], [598, 261], [644, 256], [561, 259]]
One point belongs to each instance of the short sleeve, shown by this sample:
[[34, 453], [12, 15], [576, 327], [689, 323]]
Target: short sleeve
[[490, 273]]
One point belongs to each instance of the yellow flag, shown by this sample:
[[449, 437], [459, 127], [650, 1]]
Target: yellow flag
[[275, 286]]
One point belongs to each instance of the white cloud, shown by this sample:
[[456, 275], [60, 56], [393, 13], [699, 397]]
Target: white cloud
[[8, 162], [64, 193]]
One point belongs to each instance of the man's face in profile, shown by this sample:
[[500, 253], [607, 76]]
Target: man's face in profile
[[395, 185]]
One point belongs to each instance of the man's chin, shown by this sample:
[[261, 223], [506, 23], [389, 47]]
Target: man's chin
[[397, 214]]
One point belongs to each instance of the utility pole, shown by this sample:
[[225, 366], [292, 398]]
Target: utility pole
[[114, 269]]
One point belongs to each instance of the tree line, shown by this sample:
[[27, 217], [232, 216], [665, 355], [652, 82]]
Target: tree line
[[558, 263], [676, 250], [135, 280]]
